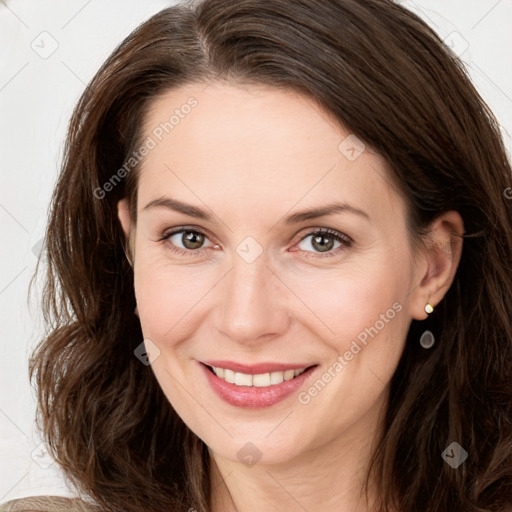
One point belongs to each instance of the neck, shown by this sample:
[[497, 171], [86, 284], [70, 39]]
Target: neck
[[328, 477]]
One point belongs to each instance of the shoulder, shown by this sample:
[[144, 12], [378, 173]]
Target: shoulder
[[48, 504]]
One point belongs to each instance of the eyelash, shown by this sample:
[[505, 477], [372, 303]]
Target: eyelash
[[345, 240]]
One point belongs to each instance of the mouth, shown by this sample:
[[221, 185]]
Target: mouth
[[255, 389], [259, 380]]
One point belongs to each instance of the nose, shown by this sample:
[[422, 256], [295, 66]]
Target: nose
[[251, 305]]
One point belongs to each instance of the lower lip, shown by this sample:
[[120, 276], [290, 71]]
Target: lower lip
[[251, 397]]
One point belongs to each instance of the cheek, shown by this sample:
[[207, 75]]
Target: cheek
[[353, 300], [367, 314], [169, 297]]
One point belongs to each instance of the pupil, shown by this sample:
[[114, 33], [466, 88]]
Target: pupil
[[192, 240], [323, 243]]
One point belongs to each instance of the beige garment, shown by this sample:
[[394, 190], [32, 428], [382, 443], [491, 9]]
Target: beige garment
[[48, 504]]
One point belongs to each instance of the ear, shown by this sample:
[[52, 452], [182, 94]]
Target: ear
[[437, 263], [123, 213]]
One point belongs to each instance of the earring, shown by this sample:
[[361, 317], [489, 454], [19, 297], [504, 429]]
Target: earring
[[427, 339], [429, 308]]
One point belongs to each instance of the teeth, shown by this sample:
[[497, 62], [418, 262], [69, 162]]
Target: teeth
[[289, 374], [259, 381], [229, 376], [242, 379]]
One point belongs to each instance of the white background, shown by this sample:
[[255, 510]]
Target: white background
[[37, 94]]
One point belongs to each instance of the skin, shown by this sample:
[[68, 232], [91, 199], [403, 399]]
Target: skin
[[251, 155]]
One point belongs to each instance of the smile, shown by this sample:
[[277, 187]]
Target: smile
[[255, 386], [261, 380]]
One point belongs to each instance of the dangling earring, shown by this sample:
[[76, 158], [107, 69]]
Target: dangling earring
[[427, 339]]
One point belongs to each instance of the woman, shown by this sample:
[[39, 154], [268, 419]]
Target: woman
[[279, 270]]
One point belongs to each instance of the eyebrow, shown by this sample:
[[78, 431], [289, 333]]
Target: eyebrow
[[294, 218]]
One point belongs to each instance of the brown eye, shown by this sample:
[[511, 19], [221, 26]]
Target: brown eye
[[186, 240], [324, 241], [192, 239]]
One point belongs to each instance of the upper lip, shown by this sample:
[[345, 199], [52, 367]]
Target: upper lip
[[256, 368]]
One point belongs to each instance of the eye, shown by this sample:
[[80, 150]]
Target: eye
[[324, 242], [327, 242], [186, 241]]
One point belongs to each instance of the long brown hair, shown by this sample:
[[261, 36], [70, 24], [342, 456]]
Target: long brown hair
[[387, 77]]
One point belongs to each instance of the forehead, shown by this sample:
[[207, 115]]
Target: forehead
[[246, 146]]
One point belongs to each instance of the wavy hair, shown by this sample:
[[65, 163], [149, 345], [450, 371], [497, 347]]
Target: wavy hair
[[389, 79]]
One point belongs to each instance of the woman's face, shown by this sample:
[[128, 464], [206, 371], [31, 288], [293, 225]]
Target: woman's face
[[268, 239]]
